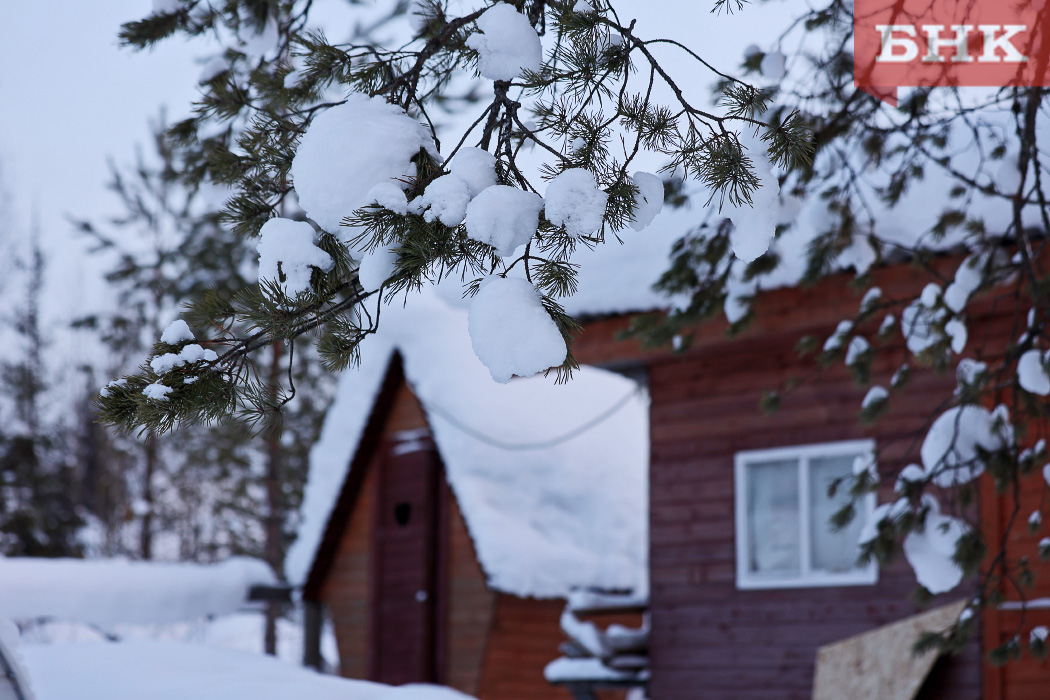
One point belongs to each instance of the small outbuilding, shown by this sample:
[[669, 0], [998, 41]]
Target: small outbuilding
[[447, 518]]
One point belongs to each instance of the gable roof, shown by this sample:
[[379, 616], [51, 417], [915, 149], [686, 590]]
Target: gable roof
[[552, 480]]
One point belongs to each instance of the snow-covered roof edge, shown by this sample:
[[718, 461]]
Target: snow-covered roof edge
[[547, 559]]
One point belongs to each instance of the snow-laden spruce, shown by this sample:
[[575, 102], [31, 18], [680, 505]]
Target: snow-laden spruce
[[574, 201], [508, 44], [950, 451], [1031, 372], [349, 149], [475, 167], [504, 217], [287, 254], [648, 201], [445, 200], [510, 331], [755, 224]]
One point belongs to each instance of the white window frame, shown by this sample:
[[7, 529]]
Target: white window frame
[[807, 578]]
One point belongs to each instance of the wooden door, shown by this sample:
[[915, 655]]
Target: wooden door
[[408, 526]]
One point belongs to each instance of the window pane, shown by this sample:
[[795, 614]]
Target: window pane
[[773, 518], [831, 551]]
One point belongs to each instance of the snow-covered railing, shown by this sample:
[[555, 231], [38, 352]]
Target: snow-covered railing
[[597, 659]]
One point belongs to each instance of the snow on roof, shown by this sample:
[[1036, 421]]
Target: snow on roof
[[552, 479], [108, 592], [176, 671]]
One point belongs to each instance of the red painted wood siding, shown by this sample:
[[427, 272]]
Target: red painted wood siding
[[709, 639], [346, 592]]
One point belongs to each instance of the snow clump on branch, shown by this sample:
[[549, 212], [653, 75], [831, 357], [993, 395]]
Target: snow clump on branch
[[574, 201], [755, 224], [508, 44], [511, 332], [288, 255], [950, 452], [349, 149], [648, 201], [176, 332], [504, 217], [1031, 372], [445, 200], [475, 167], [931, 552]]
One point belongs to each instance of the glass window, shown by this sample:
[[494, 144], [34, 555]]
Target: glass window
[[784, 536]]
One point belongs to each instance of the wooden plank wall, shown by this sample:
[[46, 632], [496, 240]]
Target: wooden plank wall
[[346, 591], [1026, 679], [523, 639], [709, 638], [469, 607]]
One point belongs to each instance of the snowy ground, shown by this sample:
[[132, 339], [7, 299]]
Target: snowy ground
[[174, 671]]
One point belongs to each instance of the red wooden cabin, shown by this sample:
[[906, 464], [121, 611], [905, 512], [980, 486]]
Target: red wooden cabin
[[457, 527], [717, 633]]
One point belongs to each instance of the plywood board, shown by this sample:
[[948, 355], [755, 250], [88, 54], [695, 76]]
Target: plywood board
[[880, 665]]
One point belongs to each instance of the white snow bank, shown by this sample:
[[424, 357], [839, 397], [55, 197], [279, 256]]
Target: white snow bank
[[510, 331], [106, 592], [349, 149], [508, 46], [552, 479], [174, 671], [244, 631], [287, 254], [504, 217]]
